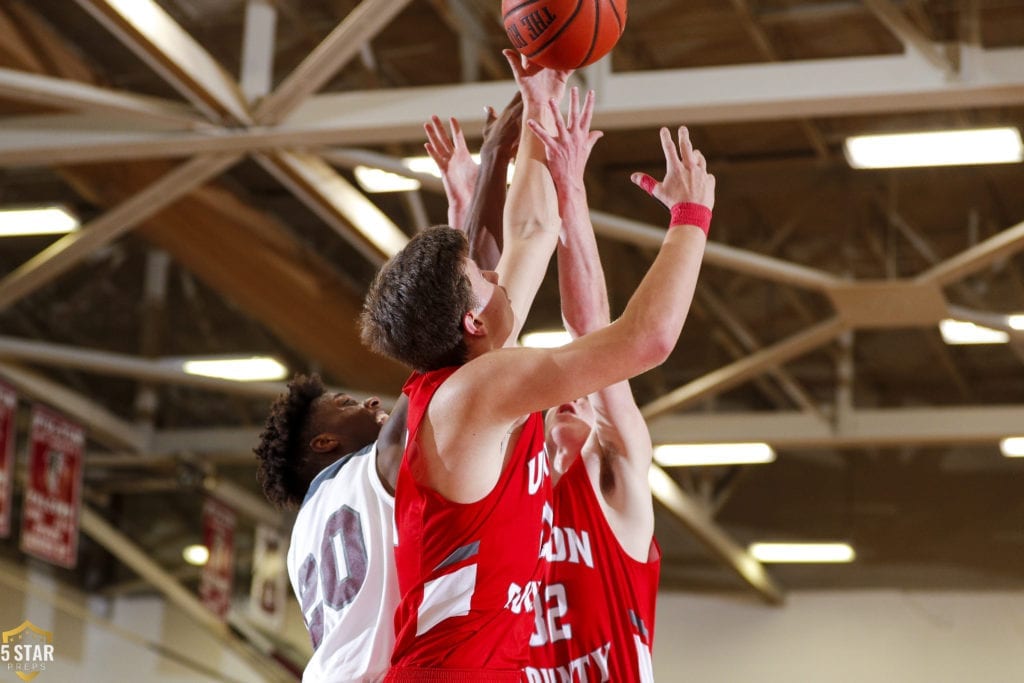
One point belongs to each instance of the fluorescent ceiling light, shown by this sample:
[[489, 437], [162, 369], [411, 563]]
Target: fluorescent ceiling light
[[1016, 321], [196, 555], [802, 552], [546, 339], [427, 165], [37, 220], [248, 369], [691, 455], [378, 180], [1012, 447], [960, 332], [939, 148]]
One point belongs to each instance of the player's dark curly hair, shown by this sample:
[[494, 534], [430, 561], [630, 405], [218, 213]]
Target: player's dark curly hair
[[413, 311], [283, 449]]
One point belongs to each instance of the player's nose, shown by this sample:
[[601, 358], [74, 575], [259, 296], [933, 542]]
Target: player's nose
[[372, 403]]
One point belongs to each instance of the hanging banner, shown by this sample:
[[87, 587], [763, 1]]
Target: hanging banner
[[49, 519], [269, 588], [8, 408], [219, 570]]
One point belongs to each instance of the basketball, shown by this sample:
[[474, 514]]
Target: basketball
[[564, 34]]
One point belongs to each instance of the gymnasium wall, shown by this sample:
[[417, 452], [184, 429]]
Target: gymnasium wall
[[817, 637], [842, 637]]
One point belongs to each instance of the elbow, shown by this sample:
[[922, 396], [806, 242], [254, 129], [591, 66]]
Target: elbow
[[658, 349], [652, 350]]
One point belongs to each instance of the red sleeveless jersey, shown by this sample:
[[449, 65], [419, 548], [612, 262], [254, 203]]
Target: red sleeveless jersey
[[596, 617], [469, 573]]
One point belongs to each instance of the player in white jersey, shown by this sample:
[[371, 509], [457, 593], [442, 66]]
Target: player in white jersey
[[329, 455], [341, 565]]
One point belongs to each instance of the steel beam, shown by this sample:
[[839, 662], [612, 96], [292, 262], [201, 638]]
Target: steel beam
[[258, 49], [121, 365], [340, 46], [911, 37], [696, 519], [725, 378], [104, 427], [342, 206], [820, 88], [49, 91], [861, 428], [153, 35], [68, 251], [971, 260]]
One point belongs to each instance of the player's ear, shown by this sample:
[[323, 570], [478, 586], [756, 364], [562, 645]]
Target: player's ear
[[472, 324], [324, 443]]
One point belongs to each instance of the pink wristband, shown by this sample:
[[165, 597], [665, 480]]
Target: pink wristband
[[689, 213]]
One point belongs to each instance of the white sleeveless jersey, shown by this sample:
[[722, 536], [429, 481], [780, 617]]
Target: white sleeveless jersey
[[342, 567]]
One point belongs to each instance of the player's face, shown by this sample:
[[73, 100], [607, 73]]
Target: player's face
[[569, 425], [358, 422], [492, 303]]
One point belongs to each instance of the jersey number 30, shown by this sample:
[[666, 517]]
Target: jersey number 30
[[343, 530]]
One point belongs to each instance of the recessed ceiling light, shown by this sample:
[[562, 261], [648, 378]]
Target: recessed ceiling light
[[961, 332], [37, 220], [695, 455], [240, 369], [196, 554], [938, 148], [802, 552], [1012, 447], [377, 180]]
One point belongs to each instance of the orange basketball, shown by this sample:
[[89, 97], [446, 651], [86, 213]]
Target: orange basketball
[[564, 34]]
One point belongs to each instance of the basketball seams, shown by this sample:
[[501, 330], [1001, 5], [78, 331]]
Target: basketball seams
[[527, 3], [561, 29], [569, 40]]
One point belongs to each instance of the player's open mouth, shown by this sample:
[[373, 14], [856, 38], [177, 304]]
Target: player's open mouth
[[566, 408]]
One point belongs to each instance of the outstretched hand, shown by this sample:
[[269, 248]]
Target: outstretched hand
[[568, 149], [537, 83], [501, 133], [450, 153], [686, 174]]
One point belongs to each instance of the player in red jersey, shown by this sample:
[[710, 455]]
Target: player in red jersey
[[469, 512], [603, 542], [322, 452], [432, 308]]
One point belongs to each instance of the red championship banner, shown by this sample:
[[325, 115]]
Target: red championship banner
[[8, 407], [49, 519], [269, 591], [218, 572]]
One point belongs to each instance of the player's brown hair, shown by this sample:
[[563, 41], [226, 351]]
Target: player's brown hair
[[283, 449], [413, 311]]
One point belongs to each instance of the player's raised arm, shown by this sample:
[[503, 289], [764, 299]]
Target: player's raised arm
[[647, 332], [531, 213], [620, 430], [484, 221]]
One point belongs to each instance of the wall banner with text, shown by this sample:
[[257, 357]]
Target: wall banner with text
[[219, 570], [8, 409], [53, 493]]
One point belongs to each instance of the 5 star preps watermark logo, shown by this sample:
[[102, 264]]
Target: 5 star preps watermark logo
[[26, 650]]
